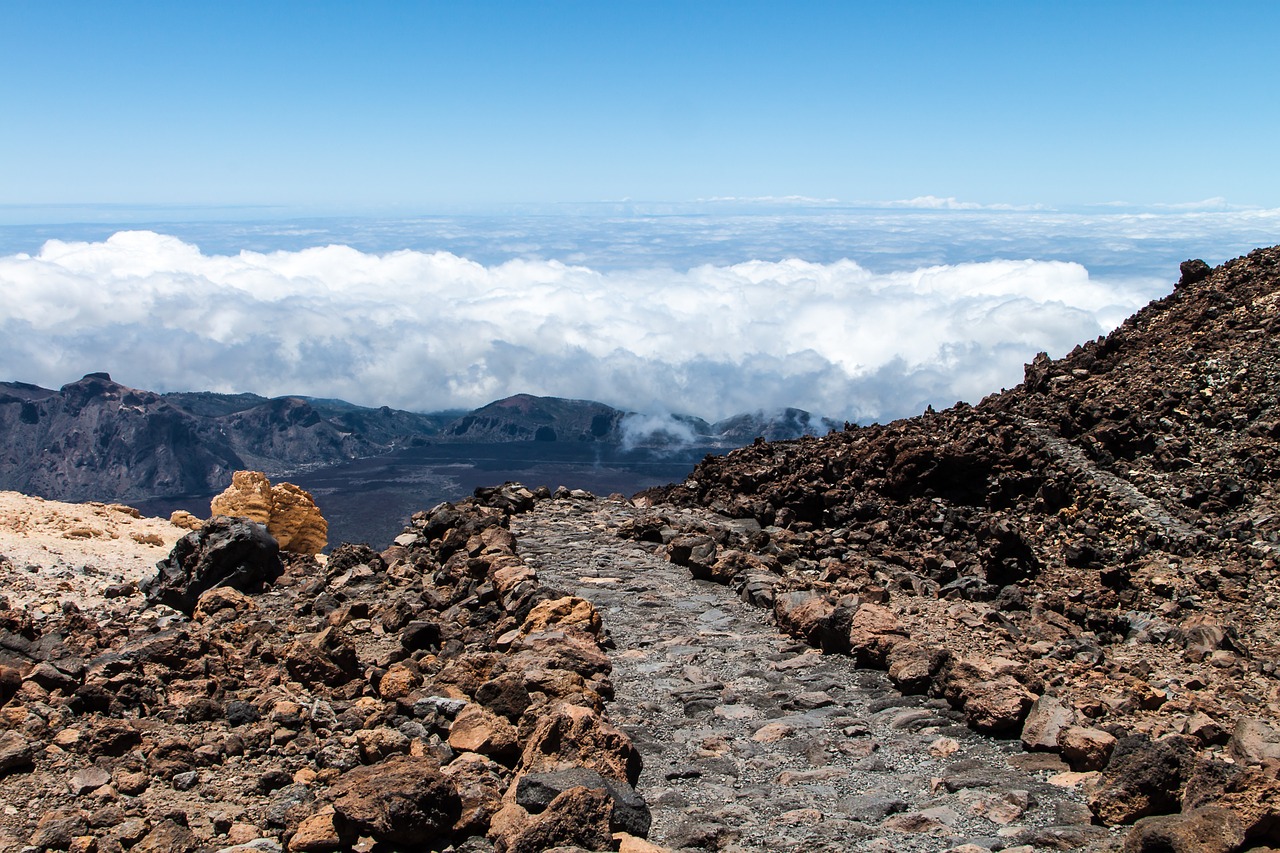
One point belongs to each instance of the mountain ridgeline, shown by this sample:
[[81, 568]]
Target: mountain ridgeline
[[95, 439]]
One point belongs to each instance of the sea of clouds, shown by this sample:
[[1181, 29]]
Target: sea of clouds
[[651, 313]]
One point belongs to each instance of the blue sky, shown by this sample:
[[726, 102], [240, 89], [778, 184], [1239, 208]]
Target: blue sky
[[705, 207], [433, 106]]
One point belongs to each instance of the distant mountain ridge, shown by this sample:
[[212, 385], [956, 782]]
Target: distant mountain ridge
[[95, 439]]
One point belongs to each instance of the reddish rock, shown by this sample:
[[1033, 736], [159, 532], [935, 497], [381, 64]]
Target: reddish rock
[[579, 816], [477, 729], [873, 632], [16, 752], [318, 834], [480, 783], [1046, 719], [696, 552], [1207, 830], [404, 800], [803, 614], [573, 736], [1254, 741], [1086, 749], [912, 665]]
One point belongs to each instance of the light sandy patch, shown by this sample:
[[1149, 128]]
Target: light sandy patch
[[55, 552]]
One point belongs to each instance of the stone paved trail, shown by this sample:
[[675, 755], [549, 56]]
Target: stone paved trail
[[752, 741]]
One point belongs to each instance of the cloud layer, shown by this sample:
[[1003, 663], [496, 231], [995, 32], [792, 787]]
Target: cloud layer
[[432, 330]]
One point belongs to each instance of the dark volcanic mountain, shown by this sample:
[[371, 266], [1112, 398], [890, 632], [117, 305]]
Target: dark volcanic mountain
[[528, 418], [98, 440]]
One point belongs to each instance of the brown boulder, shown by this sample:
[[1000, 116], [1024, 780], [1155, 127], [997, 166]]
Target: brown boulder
[[296, 521], [379, 744], [803, 613], [993, 701], [734, 564], [579, 816], [1207, 830], [873, 632], [998, 706], [694, 551], [223, 600], [403, 800], [480, 783], [57, 827], [1143, 777], [912, 665], [168, 836], [324, 660], [1086, 749], [224, 552], [1046, 719], [477, 729]]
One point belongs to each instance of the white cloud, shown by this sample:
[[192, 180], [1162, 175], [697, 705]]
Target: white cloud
[[933, 202], [432, 330]]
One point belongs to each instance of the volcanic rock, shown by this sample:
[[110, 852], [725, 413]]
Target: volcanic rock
[[289, 513], [224, 552], [403, 800]]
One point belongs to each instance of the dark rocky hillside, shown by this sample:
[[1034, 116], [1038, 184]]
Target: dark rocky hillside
[[98, 439], [1095, 549], [524, 417], [528, 418]]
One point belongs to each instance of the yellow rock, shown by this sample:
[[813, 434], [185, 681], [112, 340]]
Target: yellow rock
[[289, 512], [248, 496], [185, 520], [567, 612]]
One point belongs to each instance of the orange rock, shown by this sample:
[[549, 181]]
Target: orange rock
[[248, 496], [296, 522], [567, 612], [477, 729], [289, 512]]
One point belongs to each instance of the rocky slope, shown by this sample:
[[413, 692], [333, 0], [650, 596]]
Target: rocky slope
[[433, 695], [1086, 561]]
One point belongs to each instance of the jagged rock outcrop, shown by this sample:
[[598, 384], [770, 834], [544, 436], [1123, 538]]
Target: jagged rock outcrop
[[403, 696], [289, 513]]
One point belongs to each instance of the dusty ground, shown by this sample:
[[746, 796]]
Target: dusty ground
[[52, 551]]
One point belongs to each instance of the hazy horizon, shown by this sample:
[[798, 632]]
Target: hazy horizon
[[866, 314]]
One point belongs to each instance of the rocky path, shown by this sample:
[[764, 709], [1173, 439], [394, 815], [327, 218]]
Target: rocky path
[[752, 741]]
